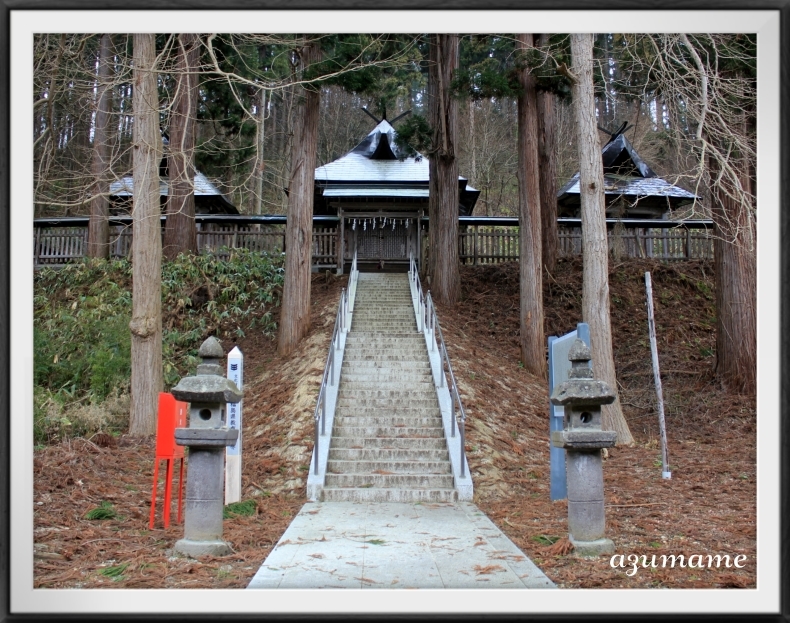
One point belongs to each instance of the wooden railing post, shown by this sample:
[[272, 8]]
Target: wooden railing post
[[340, 244]]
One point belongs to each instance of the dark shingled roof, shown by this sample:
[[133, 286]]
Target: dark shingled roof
[[208, 198], [626, 175], [376, 168]]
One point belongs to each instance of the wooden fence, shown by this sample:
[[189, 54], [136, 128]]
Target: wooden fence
[[478, 244], [59, 245]]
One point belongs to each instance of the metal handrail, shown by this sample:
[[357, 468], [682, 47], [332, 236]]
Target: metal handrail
[[342, 325], [427, 320]]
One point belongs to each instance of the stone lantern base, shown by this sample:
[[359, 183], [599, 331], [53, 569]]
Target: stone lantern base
[[592, 549], [188, 547]]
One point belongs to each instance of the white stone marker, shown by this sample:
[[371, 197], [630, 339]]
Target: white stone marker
[[233, 453]]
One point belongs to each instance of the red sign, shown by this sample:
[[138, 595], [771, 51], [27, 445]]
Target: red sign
[[172, 414]]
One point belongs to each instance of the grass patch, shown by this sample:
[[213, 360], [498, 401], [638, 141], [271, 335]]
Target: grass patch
[[102, 512], [544, 539], [247, 508], [115, 572]]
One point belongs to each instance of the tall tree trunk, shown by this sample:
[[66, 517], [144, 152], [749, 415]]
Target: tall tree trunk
[[98, 225], [260, 164], [595, 289], [735, 268], [547, 159], [445, 278], [530, 271], [295, 310], [146, 324], [180, 231]]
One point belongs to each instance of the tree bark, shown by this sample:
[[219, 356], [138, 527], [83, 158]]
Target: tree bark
[[295, 310], [595, 289], [260, 164], [530, 272], [735, 269], [98, 225], [180, 231], [146, 324], [443, 269], [547, 158]]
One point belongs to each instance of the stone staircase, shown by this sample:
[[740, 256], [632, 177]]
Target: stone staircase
[[387, 443]]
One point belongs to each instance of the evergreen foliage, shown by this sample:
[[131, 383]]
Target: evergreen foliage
[[82, 313]]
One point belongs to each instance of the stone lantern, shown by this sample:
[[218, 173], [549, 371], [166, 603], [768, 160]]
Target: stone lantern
[[582, 396], [207, 437]]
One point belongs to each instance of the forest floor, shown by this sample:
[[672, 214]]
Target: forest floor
[[707, 507]]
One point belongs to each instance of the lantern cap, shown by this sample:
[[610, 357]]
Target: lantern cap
[[210, 352], [211, 349], [207, 388], [581, 388], [583, 392]]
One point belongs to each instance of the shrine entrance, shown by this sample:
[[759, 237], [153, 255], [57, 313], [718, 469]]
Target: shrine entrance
[[383, 241]]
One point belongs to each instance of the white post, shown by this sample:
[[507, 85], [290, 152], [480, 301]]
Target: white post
[[665, 473], [233, 453]]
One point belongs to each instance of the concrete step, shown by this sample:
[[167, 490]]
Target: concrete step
[[416, 352], [388, 308], [390, 481], [382, 326], [400, 382], [362, 351], [364, 318], [382, 454], [368, 346], [372, 343], [378, 315], [360, 337], [381, 467], [402, 432], [388, 443], [396, 390], [333, 494], [387, 398], [364, 366], [388, 403], [393, 421], [380, 360], [391, 411]]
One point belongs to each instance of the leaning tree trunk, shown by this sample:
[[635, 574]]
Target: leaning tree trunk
[[547, 158], [98, 225], [180, 231], [595, 288], [295, 310], [443, 269], [146, 324], [530, 271], [735, 269]]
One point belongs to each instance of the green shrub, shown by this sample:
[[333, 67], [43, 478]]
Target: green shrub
[[82, 341]]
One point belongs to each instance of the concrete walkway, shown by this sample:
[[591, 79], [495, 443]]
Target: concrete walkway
[[396, 545]]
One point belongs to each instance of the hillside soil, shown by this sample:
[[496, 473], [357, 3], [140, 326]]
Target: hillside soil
[[707, 507]]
